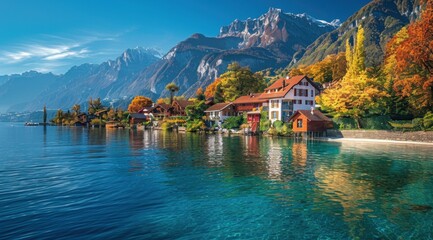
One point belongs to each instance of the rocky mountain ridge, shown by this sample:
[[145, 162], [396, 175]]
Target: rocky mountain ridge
[[381, 19]]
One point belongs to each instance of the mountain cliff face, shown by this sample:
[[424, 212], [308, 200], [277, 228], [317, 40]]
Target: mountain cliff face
[[92, 80], [276, 26], [381, 19], [266, 42]]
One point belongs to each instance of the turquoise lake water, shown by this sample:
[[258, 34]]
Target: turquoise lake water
[[78, 183]]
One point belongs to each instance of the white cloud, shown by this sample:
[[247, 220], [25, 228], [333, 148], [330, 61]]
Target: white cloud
[[52, 48], [66, 54], [18, 55], [57, 53], [48, 53]]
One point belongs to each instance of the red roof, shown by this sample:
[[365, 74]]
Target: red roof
[[252, 98], [163, 105], [183, 103], [314, 115], [218, 107], [289, 84]]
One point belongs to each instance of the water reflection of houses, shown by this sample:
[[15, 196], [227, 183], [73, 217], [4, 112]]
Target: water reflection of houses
[[137, 140], [299, 155], [252, 146], [279, 155], [275, 157], [215, 151]]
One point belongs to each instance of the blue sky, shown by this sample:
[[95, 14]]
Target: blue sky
[[54, 35]]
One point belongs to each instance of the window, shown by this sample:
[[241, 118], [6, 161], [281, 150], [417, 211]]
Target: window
[[299, 101], [274, 114], [299, 123], [275, 104], [312, 93], [296, 92], [309, 102], [306, 92]]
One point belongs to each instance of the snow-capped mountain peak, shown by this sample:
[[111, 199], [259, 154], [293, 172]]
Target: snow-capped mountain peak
[[276, 26], [322, 23]]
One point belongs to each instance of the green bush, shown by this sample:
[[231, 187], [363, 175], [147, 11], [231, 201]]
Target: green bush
[[344, 123], [265, 125], [428, 120], [195, 125], [264, 115], [244, 118], [418, 123], [97, 122], [278, 124], [272, 131], [233, 122], [286, 130], [403, 125], [376, 122]]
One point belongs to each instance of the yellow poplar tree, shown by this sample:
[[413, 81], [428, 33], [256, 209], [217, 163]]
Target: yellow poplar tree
[[356, 95]]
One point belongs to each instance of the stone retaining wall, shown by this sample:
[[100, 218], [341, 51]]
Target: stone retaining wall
[[419, 136]]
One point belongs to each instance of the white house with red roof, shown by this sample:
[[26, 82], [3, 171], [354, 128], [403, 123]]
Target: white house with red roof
[[288, 95], [220, 112]]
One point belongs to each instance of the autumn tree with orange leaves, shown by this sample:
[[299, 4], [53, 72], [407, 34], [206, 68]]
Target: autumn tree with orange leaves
[[138, 103], [211, 89], [414, 63], [332, 68]]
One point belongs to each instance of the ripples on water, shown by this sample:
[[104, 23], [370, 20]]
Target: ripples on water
[[77, 183]]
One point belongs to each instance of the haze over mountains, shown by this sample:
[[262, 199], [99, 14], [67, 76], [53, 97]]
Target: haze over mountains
[[273, 40]]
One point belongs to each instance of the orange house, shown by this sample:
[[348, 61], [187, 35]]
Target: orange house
[[310, 121]]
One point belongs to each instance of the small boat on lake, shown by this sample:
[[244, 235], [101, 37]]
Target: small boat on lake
[[31, 124]]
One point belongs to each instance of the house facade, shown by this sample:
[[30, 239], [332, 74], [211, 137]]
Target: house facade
[[137, 118], [220, 111], [161, 111], [178, 107], [288, 95], [305, 121]]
